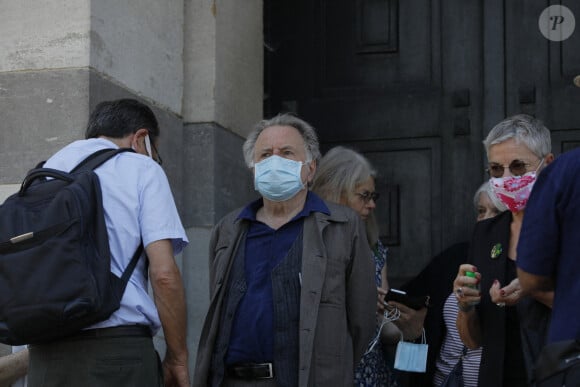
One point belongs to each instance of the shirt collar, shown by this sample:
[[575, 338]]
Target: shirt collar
[[313, 203]]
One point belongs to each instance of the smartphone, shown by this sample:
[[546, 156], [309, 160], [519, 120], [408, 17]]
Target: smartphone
[[400, 296]]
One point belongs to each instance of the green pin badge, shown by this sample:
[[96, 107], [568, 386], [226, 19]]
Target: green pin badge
[[496, 250]]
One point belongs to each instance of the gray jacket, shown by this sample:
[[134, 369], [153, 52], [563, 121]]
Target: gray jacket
[[337, 302]]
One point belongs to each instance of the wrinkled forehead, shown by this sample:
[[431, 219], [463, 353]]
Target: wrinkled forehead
[[280, 137]]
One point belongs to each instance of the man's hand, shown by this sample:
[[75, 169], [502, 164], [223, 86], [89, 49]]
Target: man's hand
[[175, 373]]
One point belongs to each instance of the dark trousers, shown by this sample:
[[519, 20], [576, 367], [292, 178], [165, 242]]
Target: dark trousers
[[95, 362]]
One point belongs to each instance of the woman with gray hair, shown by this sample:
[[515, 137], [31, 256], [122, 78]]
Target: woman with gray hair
[[493, 313], [346, 177], [486, 204]]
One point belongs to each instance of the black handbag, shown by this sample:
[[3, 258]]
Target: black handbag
[[455, 377], [558, 365]]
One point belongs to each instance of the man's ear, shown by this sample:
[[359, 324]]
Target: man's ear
[[138, 141]]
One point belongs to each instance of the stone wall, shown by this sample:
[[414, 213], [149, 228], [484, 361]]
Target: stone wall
[[197, 63]]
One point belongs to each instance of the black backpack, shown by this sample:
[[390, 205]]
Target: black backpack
[[55, 271]]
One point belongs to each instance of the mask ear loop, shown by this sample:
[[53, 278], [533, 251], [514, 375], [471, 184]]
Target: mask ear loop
[[148, 146], [540, 165]]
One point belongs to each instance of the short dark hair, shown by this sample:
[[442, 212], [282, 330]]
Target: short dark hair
[[118, 118]]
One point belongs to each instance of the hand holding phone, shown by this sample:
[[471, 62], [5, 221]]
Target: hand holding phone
[[415, 302]]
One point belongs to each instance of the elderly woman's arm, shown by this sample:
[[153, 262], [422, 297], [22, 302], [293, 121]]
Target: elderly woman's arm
[[468, 295], [13, 367], [469, 328]]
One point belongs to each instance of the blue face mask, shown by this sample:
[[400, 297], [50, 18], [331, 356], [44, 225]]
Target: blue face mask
[[278, 179], [411, 357]]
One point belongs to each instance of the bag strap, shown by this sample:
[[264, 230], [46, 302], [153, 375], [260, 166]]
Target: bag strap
[[94, 160], [99, 158], [42, 174], [131, 267]]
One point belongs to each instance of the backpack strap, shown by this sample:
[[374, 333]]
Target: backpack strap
[[99, 158], [94, 160], [131, 266]]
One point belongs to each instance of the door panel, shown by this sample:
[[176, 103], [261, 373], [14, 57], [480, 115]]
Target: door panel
[[411, 206], [540, 73], [365, 89], [564, 95], [399, 81], [361, 47]]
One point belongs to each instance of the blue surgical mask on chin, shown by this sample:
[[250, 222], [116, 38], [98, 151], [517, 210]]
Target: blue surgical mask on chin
[[278, 179]]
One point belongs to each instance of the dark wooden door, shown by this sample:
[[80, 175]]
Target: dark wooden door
[[416, 85], [399, 81], [540, 73]]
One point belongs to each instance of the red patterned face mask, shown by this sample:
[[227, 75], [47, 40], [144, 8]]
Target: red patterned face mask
[[514, 191]]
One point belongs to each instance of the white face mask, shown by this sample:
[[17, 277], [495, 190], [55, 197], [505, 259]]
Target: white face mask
[[149, 149], [278, 179], [148, 146]]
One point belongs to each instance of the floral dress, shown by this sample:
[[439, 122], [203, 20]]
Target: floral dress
[[373, 369]]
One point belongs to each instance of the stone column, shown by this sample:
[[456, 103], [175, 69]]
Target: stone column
[[61, 57], [222, 100], [197, 63]]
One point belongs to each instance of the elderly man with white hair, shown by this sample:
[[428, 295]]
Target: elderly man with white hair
[[291, 277]]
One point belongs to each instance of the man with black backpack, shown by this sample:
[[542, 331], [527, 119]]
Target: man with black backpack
[[139, 209]]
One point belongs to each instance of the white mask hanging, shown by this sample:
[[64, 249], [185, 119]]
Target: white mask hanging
[[148, 146]]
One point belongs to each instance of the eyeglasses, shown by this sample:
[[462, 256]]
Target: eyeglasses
[[158, 156], [367, 196], [516, 168]]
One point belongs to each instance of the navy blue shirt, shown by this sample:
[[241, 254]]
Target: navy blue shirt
[[550, 240], [252, 335]]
